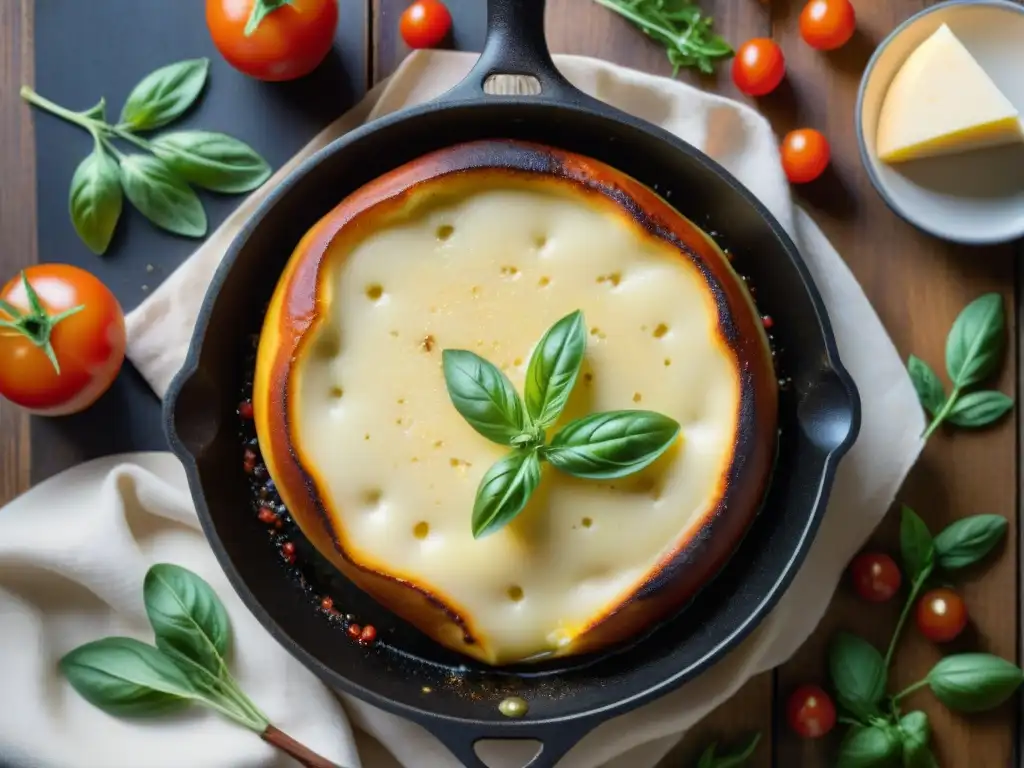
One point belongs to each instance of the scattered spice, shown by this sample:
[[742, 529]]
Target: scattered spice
[[245, 409], [288, 549], [267, 516], [513, 706], [327, 603], [767, 322], [368, 635], [249, 461], [354, 631]]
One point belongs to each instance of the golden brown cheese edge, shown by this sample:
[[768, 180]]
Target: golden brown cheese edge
[[297, 304]]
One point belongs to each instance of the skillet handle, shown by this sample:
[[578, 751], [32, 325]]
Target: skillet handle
[[516, 45], [555, 739]]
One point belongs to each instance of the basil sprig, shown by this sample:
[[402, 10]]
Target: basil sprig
[[157, 184], [974, 350], [127, 677], [601, 445], [969, 682], [710, 759]]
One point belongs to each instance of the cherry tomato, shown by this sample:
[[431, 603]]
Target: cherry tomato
[[876, 577], [805, 155], [810, 712], [62, 339], [425, 23], [758, 67], [287, 42], [941, 615], [827, 24]]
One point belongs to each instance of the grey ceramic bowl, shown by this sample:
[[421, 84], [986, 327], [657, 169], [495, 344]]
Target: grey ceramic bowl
[[976, 197]]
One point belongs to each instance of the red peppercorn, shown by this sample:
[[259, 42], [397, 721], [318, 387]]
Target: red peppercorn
[[767, 322], [249, 461], [288, 548], [354, 631], [278, 524], [267, 516], [245, 409], [368, 635], [327, 604]]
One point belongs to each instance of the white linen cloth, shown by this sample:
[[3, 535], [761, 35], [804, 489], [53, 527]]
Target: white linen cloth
[[74, 549]]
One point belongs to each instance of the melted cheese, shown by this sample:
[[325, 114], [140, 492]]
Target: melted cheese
[[398, 466], [941, 101]]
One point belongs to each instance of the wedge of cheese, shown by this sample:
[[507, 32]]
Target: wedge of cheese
[[483, 247], [941, 102]]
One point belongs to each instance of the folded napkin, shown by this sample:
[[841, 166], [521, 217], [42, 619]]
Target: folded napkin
[[75, 549]]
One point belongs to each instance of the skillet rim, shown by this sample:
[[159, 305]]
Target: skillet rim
[[526, 728]]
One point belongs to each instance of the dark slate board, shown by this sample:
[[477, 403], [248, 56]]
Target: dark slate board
[[85, 50]]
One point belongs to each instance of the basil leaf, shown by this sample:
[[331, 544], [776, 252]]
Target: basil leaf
[[95, 199], [212, 160], [738, 758], [968, 540], [868, 747], [929, 389], [161, 196], [974, 347], [165, 94], [554, 366], [974, 682], [858, 674], [707, 759], [97, 111], [483, 395], [187, 616], [504, 490], [979, 409], [612, 444], [916, 732], [916, 544], [123, 676]]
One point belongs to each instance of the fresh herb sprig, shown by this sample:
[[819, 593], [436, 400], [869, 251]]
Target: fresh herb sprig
[[127, 677], [880, 733], [157, 184], [599, 446], [974, 351], [710, 758], [680, 26]]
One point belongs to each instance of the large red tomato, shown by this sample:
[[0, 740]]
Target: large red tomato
[[280, 41], [62, 339]]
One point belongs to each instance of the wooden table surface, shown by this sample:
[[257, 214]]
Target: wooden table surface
[[917, 285]]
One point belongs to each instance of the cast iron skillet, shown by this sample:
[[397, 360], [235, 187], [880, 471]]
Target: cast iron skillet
[[819, 417]]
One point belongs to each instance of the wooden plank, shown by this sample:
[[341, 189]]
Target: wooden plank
[[917, 284], [17, 212]]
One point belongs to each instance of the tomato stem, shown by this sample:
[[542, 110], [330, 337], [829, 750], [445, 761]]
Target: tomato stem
[[36, 324], [260, 10]]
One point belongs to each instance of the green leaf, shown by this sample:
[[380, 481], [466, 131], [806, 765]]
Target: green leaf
[[733, 760], [162, 196], [916, 544], [123, 676], [612, 444], [974, 347], [915, 733], [212, 160], [858, 674], [929, 389], [165, 94], [187, 616], [95, 199], [553, 369], [96, 112], [979, 409], [504, 490], [707, 758], [483, 395], [974, 682], [260, 9], [968, 540], [869, 747]]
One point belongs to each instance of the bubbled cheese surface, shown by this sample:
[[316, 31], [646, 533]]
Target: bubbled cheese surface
[[398, 467]]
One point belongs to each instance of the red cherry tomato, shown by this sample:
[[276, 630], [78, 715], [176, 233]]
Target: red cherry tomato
[[876, 577], [758, 67], [805, 155], [827, 24], [941, 615], [288, 42], [76, 321], [425, 23], [810, 712]]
